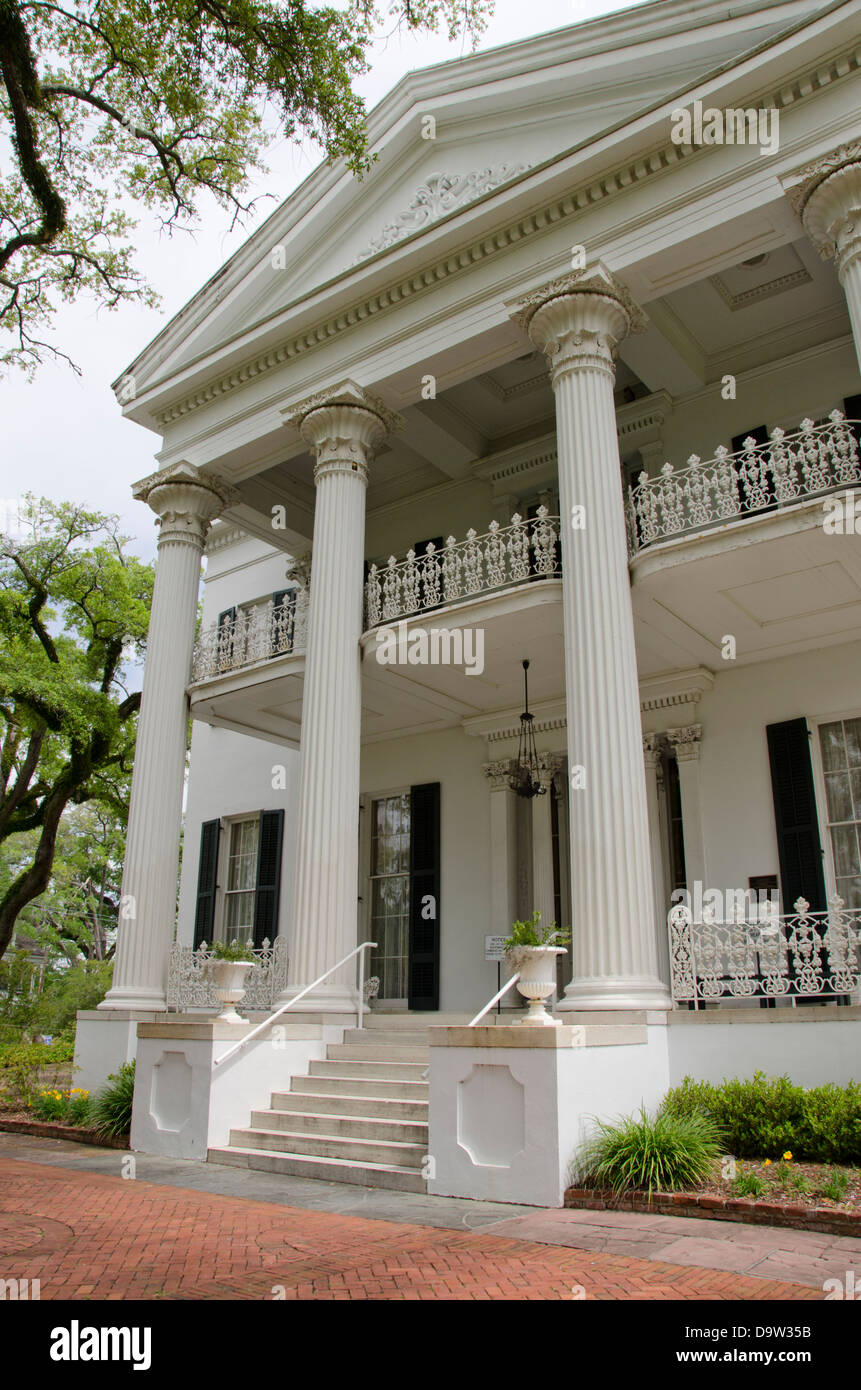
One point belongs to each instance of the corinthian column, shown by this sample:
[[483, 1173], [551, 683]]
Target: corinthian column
[[185, 502], [578, 322], [343, 428], [829, 202]]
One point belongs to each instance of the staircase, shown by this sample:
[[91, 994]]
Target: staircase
[[360, 1116]]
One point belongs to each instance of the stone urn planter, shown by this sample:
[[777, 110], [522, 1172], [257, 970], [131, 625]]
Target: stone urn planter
[[537, 966], [228, 983]]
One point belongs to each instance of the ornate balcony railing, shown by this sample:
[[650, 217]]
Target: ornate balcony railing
[[802, 954], [253, 634], [188, 985], [789, 468], [502, 556]]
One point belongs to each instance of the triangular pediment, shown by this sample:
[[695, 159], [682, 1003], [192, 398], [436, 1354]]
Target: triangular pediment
[[499, 118]]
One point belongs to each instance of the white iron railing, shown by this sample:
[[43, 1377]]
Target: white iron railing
[[503, 555], [802, 954], [361, 1004], [789, 468], [490, 1003], [258, 633], [189, 985]]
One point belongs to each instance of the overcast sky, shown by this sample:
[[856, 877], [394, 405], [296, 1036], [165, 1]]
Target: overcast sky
[[63, 436]]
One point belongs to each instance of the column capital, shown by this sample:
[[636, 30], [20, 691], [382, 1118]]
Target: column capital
[[344, 427], [686, 742], [579, 319], [185, 501], [498, 773], [652, 747], [827, 198]]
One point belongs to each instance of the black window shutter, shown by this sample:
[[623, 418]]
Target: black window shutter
[[207, 882], [798, 844], [226, 618], [852, 411], [423, 988], [268, 885]]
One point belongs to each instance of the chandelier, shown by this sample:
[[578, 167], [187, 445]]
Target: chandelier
[[526, 774]]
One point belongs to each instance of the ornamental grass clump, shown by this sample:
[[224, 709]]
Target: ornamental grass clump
[[651, 1153], [112, 1108]]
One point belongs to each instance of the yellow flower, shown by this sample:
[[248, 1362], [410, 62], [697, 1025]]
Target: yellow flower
[[767, 1162], [788, 1156]]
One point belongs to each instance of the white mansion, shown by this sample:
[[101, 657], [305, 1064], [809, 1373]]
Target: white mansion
[[566, 379]]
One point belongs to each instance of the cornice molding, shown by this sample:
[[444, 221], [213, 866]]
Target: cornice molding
[[621, 177]]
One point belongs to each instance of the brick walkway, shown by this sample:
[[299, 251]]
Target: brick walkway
[[87, 1236]]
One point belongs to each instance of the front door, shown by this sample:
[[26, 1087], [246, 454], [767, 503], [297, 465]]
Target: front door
[[389, 917]]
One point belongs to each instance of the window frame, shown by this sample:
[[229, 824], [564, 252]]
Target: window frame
[[222, 892], [815, 722], [366, 845]]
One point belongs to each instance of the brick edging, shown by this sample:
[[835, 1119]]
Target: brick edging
[[824, 1219], [44, 1129]]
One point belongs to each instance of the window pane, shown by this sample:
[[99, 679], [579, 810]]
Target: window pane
[[838, 797], [833, 754], [853, 742], [846, 859]]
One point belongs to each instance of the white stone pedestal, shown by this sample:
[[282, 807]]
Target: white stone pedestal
[[184, 1105], [104, 1040], [510, 1105]]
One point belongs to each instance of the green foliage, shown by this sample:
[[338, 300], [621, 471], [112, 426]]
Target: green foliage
[[747, 1184], [232, 950], [74, 608], [160, 105], [22, 1065], [69, 1107], [768, 1116], [531, 933], [835, 1186], [82, 986], [662, 1152], [111, 1108]]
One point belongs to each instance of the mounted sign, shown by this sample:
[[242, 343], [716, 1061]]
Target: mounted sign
[[493, 948]]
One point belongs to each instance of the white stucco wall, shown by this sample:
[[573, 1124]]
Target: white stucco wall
[[737, 806]]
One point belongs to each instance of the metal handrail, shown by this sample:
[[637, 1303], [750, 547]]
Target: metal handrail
[[267, 1022], [498, 995]]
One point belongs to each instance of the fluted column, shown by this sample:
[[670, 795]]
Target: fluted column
[[542, 842], [686, 746], [578, 321], [503, 829], [829, 201], [651, 760], [185, 503], [343, 427]]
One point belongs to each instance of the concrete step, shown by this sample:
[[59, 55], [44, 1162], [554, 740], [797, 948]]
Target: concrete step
[[327, 1169], [404, 1020], [359, 1086], [390, 1152], [379, 1037], [374, 1051], [343, 1104], [365, 1126], [383, 1071]]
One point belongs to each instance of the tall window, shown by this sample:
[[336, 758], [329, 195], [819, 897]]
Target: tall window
[[238, 919], [390, 893], [840, 742]]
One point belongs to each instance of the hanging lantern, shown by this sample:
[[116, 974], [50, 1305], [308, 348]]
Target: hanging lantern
[[526, 775]]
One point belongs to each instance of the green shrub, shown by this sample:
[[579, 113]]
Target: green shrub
[[111, 1109], [22, 1067], [765, 1117], [664, 1152]]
